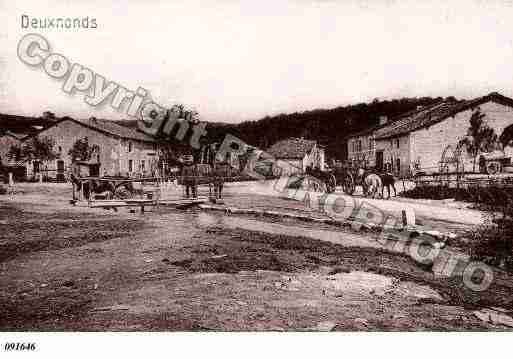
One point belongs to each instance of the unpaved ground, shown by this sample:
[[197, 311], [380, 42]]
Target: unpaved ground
[[443, 215], [65, 268]]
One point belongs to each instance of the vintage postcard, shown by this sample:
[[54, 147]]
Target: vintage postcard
[[233, 166]]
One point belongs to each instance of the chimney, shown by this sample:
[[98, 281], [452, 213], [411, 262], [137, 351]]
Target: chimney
[[383, 120]]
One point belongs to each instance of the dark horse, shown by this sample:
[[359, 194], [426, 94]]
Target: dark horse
[[388, 180], [94, 187]]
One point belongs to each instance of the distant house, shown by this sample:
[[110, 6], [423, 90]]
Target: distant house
[[420, 140], [123, 151], [294, 155], [361, 146], [7, 140]]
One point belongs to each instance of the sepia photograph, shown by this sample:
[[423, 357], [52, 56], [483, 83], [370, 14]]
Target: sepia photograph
[[255, 167]]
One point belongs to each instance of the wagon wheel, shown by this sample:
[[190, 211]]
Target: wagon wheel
[[348, 184], [331, 183], [122, 192], [493, 167], [317, 185]]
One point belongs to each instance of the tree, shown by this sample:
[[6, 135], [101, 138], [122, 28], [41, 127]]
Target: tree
[[480, 137], [34, 149], [15, 153], [38, 149], [48, 115], [506, 137], [82, 150]]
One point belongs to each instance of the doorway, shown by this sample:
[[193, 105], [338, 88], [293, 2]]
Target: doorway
[[379, 161], [60, 171]]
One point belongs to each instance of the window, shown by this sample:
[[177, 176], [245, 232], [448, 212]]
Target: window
[[397, 143], [416, 164], [142, 166], [398, 164], [129, 146], [130, 165]]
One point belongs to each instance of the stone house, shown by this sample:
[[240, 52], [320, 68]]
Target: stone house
[[7, 140], [361, 146], [122, 151], [421, 139], [294, 155]]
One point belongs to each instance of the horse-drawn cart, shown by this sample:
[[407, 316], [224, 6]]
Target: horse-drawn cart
[[180, 190], [350, 175], [340, 175], [110, 192]]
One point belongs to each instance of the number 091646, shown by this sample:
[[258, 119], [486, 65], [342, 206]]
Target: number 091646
[[19, 346]]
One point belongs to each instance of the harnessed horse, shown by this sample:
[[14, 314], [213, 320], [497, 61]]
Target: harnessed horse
[[388, 180], [371, 182]]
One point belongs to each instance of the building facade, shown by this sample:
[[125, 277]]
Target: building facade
[[295, 155], [428, 139], [121, 151], [361, 147]]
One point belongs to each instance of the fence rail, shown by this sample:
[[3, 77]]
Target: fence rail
[[461, 180]]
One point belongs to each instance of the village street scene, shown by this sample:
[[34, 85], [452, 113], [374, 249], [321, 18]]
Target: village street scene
[[374, 211], [125, 236]]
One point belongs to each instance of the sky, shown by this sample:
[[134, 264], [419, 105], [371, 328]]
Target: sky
[[242, 60]]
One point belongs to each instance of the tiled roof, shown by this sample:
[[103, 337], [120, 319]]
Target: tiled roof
[[109, 128], [18, 136], [291, 148], [413, 120], [430, 115], [366, 131], [116, 130]]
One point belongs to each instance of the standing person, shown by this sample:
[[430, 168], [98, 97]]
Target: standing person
[[189, 175]]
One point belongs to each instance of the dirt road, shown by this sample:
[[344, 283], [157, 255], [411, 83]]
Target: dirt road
[[66, 268]]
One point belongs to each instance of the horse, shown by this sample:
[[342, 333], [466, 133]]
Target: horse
[[371, 182], [96, 187], [388, 180]]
